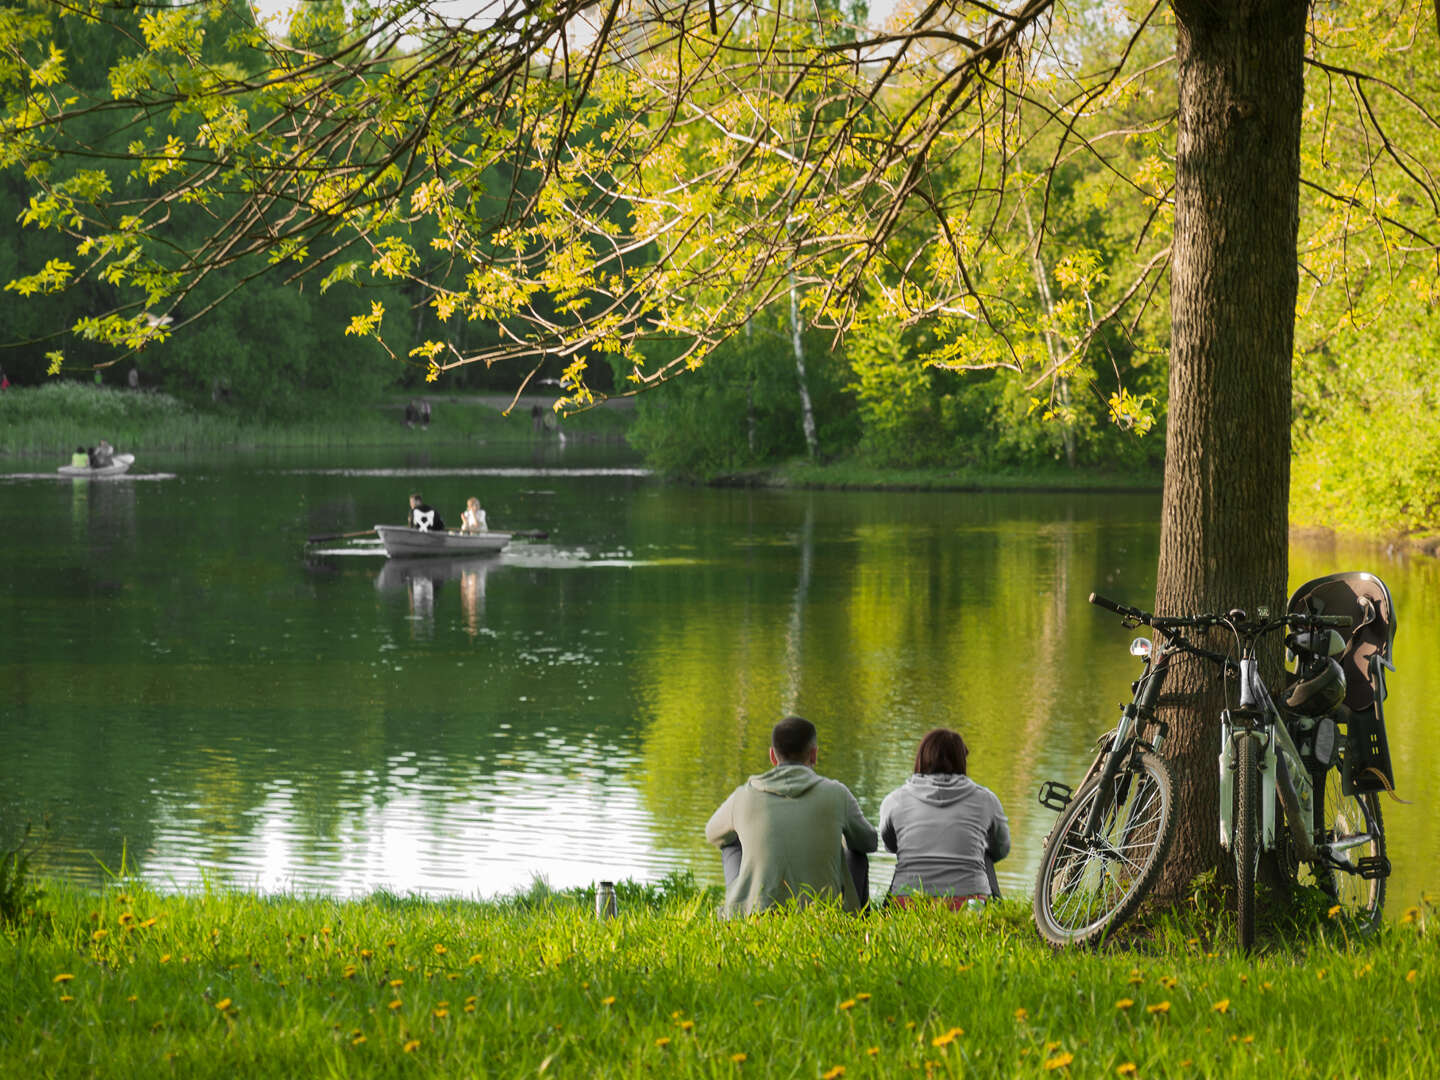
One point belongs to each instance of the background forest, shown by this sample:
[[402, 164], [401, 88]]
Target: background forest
[[1067, 369]]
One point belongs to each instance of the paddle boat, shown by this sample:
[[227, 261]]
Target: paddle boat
[[117, 466], [403, 540]]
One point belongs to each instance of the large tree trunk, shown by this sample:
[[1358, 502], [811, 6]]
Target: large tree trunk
[[1233, 284]]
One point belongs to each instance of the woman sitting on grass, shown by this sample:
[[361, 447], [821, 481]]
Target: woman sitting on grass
[[947, 830]]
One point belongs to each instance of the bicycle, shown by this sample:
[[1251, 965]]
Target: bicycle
[[1110, 841]]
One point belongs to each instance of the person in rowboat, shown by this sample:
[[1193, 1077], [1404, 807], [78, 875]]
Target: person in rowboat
[[422, 517], [792, 834], [473, 519]]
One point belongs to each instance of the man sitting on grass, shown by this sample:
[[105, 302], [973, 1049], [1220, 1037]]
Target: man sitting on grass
[[780, 833]]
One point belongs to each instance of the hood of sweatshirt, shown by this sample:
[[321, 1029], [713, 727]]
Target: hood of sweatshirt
[[789, 781], [939, 789]]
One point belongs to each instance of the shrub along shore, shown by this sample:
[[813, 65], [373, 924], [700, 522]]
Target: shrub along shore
[[131, 982]]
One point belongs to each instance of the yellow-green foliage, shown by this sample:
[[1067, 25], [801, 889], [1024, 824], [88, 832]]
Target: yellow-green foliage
[[132, 982]]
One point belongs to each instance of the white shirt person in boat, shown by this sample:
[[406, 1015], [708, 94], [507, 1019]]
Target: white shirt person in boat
[[473, 519], [422, 517]]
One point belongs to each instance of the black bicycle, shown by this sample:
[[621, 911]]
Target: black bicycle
[[1321, 760]]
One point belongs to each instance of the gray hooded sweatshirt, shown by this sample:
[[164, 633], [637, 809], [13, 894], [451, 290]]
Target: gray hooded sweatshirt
[[789, 822], [942, 825]]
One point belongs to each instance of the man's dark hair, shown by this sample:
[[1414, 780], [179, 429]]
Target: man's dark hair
[[416, 497], [792, 738], [941, 751]]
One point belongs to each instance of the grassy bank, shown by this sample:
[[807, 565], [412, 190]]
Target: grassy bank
[[132, 983], [50, 421], [859, 476]]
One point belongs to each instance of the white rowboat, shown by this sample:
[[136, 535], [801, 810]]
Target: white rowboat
[[118, 465], [402, 540]]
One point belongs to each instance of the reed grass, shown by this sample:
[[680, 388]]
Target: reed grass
[[131, 982]]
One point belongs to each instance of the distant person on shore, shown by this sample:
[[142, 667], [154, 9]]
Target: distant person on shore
[[102, 455], [792, 834], [422, 517], [80, 459], [946, 830], [473, 519], [4, 380]]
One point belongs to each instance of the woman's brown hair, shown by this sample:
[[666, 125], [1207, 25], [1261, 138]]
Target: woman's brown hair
[[941, 751]]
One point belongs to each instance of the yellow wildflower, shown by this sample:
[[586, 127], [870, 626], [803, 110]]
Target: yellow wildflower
[[1247, 1039], [63, 977], [1021, 1013], [397, 1003], [1410, 975], [873, 1051], [833, 1074], [1059, 1061], [440, 950], [862, 996], [739, 1058], [147, 923], [1158, 1007], [476, 958], [663, 1041], [1127, 1069], [100, 935], [1124, 1003], [1334, 911], [222, 1004], [848, 1003], [395, 984], [608, 1000], [440, 1014], [1221, 1006], [687, 1025], [470, 1008], [947, 1038], [132, 999], [412, 1046], [65, 999], [357, 1040]]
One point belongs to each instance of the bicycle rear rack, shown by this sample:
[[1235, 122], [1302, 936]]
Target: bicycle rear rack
[[1055, 795]]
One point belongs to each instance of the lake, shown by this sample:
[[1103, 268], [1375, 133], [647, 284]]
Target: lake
[[193, 691]]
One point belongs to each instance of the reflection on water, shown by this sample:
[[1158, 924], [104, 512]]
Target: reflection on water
[[192, 689]]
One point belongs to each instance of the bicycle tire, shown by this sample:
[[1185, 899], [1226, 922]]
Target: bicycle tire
[[1246, 842], [1338, 816], [1089, 886]]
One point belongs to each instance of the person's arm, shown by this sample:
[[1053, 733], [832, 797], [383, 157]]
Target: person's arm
[[859, 834], [998, 845], [720, 829], [887, 824]]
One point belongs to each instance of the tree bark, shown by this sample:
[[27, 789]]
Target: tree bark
[[1224, 525], [797, 342]]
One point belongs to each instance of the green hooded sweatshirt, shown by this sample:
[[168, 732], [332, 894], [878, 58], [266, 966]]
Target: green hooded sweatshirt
[[790, 822]]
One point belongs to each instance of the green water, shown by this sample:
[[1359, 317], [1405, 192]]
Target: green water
[[186, 683]]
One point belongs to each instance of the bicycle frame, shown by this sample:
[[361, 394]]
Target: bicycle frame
[[1283, 773]]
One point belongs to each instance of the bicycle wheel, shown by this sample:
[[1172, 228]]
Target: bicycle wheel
[[1246, 841], [1090, 884], [1349, 819]]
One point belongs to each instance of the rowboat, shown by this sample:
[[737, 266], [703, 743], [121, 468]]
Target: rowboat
[[402, 540], [117, 465]]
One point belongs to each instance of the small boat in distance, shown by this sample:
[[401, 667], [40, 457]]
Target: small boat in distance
[[402, 540], [117, 466]]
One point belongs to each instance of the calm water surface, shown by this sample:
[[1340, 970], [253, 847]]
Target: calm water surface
[[188, 687]]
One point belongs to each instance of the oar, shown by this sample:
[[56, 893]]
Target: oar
[[340, 536]]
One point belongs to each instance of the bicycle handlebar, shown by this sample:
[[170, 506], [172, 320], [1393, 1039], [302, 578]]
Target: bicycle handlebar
[[1236, 619]]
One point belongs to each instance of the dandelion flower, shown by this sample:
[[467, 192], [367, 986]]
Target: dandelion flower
[[147, 923], [873, 1051], [366, 954], [440, 1014], [849, 1003], [476, 958], [222, 1004], [687, 1025], [1169, 982], [412, 1045], [1059, 1061], [1221, 1006], [470, 1008], [1021, 1013], [739, 1058], [100, 935], [862, 997], [65, 999], [833, 1074], [1334, 911], [677, 1014], [63, 977], [663, 1041], [1124, 1003], [608, 1000], [395, 1004], [1410, 975], [947, 1038], [1127, 1069], [1158, 1007], [395, 984], [132, 999], [1053, 1045], [440, 950], [357, 1040], [1247, 1039]]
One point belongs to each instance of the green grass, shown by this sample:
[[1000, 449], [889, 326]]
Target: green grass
[[134, 983], [50, 421]]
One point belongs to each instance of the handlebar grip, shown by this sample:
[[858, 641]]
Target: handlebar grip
[[1108, 605]]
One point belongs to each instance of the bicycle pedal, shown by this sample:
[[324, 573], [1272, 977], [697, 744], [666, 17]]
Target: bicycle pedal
[[1055, 795], [1372, 867]]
